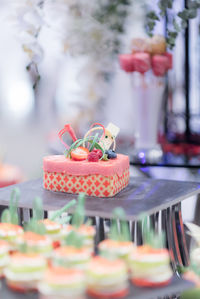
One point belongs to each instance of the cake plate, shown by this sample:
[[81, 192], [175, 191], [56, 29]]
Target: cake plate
[[160, 199], [175, 288]]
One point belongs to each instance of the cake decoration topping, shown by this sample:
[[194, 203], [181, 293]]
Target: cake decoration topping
[[67, 128], [92, 147]]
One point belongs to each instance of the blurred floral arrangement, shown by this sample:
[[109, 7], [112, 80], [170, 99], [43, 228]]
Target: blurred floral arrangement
[[178, 19], [25, 17], [92, 30]]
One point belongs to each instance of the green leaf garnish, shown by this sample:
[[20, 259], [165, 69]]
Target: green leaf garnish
[[105, 157], [74, 239], [57, 214], [150, 237], [34, 224], [119, 227], [35, 227], [5, 216], [23, 247], [93, 142], [10, 215], [79, 214], [38, 211]]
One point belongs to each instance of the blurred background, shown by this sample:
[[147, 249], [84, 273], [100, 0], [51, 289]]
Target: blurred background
[[59, 64]]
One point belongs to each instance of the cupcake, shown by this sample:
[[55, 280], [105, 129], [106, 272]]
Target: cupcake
[[4, 256], [118, 245], [53, 231], [116, 249], [82, 231], [107, 278], [150, 267], [87, 232], [61, 283], [71, 257], [10, 232], [35, 243], [25, 271]]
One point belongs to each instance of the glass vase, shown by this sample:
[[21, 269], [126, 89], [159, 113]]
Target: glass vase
[[148, 93]]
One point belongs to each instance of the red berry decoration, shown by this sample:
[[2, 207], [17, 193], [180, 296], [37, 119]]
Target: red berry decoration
[[98, 151], [93, 157]]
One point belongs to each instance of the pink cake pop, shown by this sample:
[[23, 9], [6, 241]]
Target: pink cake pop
[[126, 62], [159, 65], [142, 62]]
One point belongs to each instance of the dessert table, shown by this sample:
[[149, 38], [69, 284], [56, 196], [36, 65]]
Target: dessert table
[[160, 199]]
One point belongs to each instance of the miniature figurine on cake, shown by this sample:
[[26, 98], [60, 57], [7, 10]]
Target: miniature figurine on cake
[[89, 164]]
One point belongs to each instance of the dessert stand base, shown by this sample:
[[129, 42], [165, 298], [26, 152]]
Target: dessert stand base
[[175, 288]]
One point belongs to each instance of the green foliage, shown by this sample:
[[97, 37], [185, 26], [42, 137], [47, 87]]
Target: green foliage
[[119, 230], [179, 21], [10, 215], [113, 14]]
